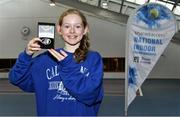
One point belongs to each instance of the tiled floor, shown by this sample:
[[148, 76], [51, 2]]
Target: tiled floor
[[160, 98]]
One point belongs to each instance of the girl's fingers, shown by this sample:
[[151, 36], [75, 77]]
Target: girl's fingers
[[34, 49], [33, 46], [63, 53], [56, 54], [35, 40]]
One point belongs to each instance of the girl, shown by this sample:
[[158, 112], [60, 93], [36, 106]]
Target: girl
[[66, 81]]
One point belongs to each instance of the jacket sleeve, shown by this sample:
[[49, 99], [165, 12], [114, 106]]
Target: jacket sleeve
[[87, 87], [20, 74]]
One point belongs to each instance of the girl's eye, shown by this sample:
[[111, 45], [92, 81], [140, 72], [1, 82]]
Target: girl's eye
[[66, 26], [78, 26]]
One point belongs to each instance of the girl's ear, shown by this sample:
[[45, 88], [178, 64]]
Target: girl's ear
[[58, 28], [86, 30]]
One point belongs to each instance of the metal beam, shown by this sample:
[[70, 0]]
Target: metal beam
[[122, 4], [103, 13]]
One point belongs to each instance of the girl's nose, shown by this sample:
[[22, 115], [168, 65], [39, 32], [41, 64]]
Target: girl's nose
[[72, 30]]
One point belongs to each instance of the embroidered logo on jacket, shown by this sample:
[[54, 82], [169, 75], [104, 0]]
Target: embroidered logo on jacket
[[61, 92]]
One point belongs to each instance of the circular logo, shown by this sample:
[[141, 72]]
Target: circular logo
[[46, 41]]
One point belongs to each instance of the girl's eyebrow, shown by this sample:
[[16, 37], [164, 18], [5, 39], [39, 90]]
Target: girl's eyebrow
[[74, 23]]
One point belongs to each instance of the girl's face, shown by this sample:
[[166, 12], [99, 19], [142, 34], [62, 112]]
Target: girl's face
[[72, 29]]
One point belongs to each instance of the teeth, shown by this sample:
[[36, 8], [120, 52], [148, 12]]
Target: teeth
[[72, 37]]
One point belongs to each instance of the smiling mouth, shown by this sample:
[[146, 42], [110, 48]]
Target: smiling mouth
[[72, 37]]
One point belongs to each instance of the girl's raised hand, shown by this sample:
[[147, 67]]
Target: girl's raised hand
[[33, 46]]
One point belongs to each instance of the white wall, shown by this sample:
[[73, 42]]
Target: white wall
[[106, 37], [168, 65], [18, 13]]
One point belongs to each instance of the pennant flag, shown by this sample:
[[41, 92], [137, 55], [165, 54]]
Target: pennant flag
[[149, 30]]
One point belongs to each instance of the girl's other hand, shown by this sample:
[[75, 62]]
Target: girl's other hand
[[58, 55]]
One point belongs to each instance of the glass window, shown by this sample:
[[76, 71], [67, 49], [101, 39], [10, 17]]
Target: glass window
[[152, 0], [160, 2], [177, 10], [114, 64], [114, 7], [170, 6], [140, 1], [133, 1], [83, 0]]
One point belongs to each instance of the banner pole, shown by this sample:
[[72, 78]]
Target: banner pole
[[126, 93], [126, 73]]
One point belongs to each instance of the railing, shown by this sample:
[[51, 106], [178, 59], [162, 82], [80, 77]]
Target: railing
[[111, 64]]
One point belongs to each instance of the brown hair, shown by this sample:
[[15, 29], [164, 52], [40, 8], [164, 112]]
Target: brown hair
[[81, 52]]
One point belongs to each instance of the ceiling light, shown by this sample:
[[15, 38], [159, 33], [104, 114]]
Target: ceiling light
[[104, 4], [52, 3]]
